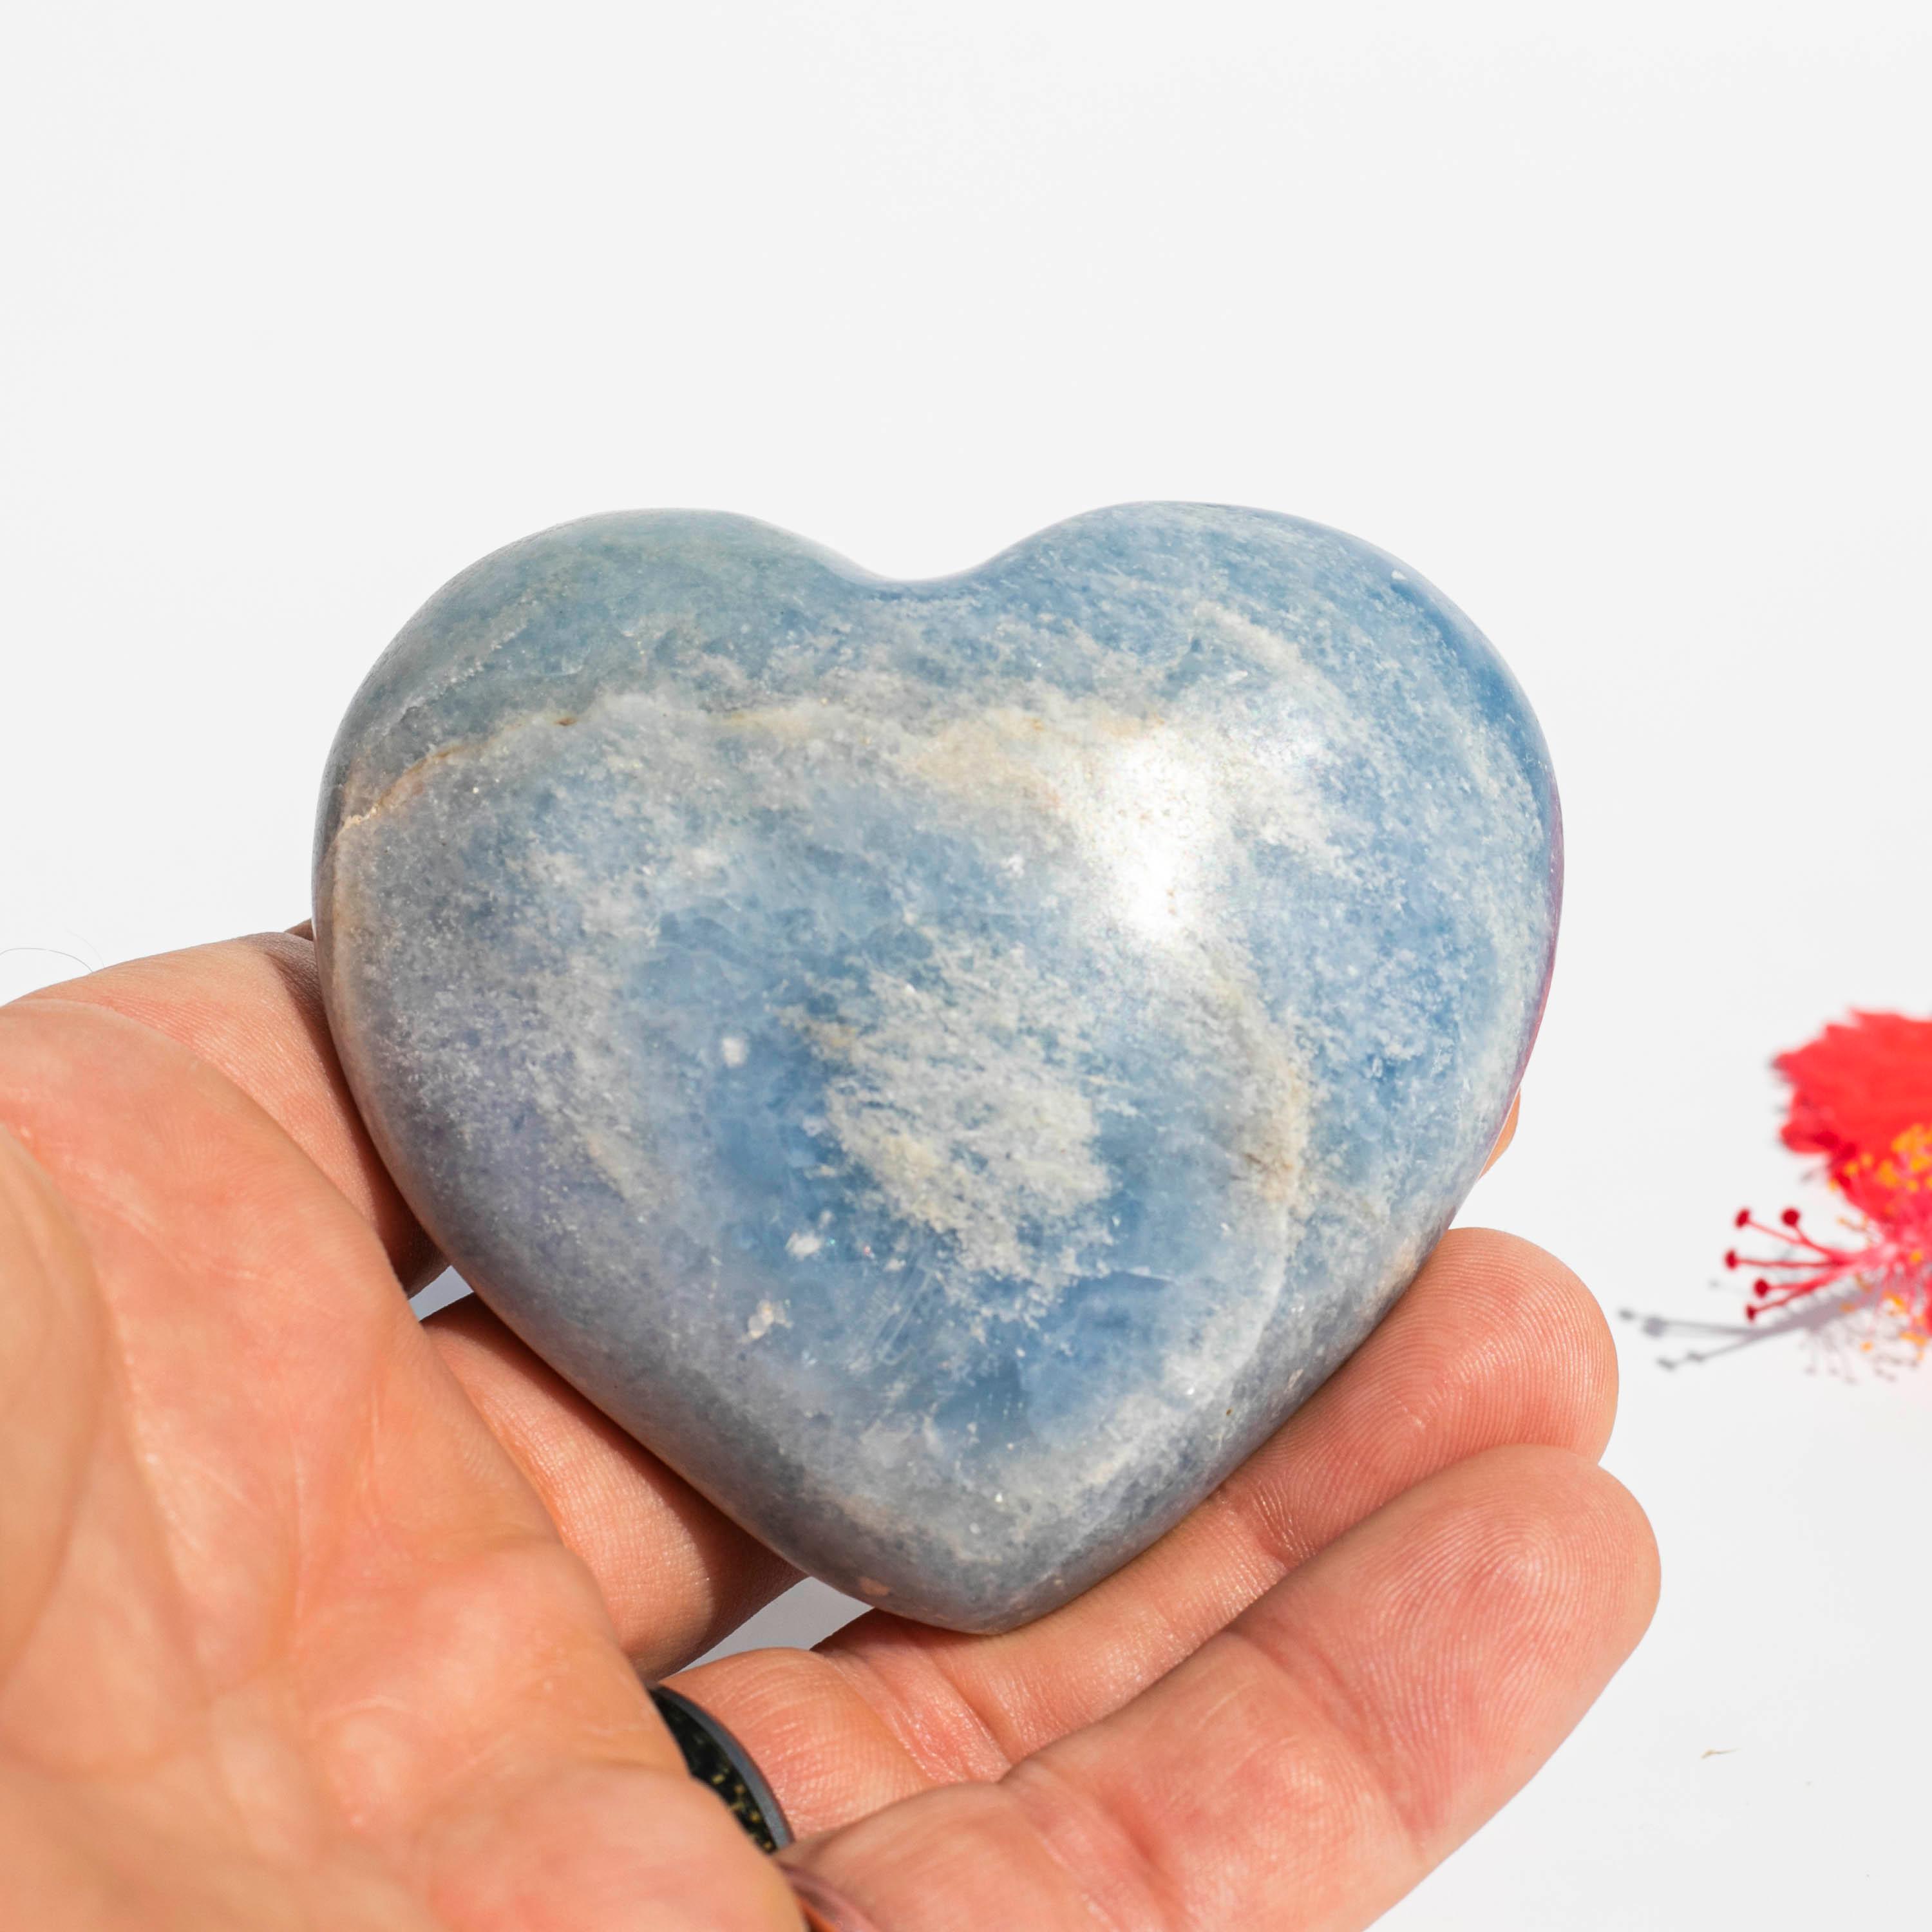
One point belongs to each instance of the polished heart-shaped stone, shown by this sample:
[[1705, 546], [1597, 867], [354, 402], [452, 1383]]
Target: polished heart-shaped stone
[[947, 1065]]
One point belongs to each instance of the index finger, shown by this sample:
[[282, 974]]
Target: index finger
[[252, 1008], [676, 1575]]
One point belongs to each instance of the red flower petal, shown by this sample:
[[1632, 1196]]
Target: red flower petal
[[1855, 1089]]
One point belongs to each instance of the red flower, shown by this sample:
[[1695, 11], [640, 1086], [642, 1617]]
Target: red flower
[[1855, 1089], [1861, 1096]]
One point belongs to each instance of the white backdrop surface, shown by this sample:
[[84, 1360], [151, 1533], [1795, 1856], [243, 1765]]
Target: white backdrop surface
[[1611, 321]]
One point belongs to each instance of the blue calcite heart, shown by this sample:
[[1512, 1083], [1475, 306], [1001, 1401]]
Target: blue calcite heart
[[948, 1065]]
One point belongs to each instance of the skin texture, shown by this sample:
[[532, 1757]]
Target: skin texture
[[310, 1615]]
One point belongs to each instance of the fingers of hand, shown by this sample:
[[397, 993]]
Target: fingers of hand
[[675, 1573], [600, 1847], [1307, 1766], [1496, 1343], [252, 1008]]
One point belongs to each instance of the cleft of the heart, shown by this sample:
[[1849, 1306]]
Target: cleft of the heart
[[949, 1066]]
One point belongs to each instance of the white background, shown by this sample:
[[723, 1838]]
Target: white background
[[1613, 321]]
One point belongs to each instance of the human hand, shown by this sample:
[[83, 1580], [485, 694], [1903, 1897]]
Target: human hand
[[311, 1615]]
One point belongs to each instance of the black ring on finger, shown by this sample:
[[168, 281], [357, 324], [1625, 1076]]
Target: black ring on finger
[[715, 1757]]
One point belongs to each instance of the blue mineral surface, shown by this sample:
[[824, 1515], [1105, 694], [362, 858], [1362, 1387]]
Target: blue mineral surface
[[948, 1065]]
